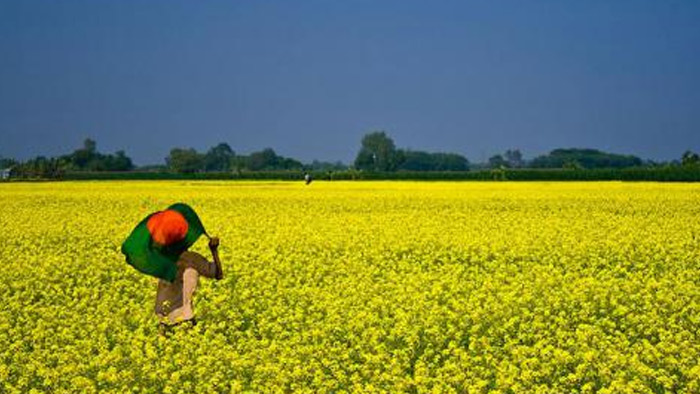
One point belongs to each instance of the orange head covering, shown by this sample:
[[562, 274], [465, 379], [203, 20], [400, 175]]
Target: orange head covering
[[167, 227]]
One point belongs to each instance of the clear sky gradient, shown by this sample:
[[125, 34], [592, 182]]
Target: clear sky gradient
[[309, 78]]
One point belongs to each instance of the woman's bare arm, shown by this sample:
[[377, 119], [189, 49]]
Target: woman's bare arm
[[214, 247]]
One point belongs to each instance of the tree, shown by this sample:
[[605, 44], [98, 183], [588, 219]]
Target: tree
[[497, 161], [218, 158], [378, 153], [690, 158], [423, 161], [364, 160], [410, 160], [119, 162], [185, 160], [82, 157], [6, 162], [239, 163], [287, 163], [514, 158], [586, 158], [572, 165], [89, 145], [317, 165], [449, 162], [39, 167], [88, 158], [266, 159]]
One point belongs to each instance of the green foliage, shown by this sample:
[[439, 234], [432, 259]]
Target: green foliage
[[265, 159], [281, 175], [378, 158], [222, 159], [497, 161], [584, 158], [185, 160], [39, 167], [514, 158], [6, 162], [572, 165], [117, 162], [88, 158], [655, 174], [378, 153], [219, 158], [690, 159], [409, 160], [323, 166], [268, 160]]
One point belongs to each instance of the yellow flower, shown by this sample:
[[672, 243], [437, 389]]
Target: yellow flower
[[359, 287]]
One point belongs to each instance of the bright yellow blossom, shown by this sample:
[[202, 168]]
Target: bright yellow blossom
[[432, 287]]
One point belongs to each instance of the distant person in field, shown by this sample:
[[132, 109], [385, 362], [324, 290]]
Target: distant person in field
[[307, 178], [174, 299]]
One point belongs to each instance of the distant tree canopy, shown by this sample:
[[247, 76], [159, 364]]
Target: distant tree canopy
[[222, 158], [690, 159], [39, 167], [497, 161], [584, 158], [185, 160], [378, 153], [6, 162], [219, 158], [267, 160], [88, 158], [512, 158], [410, 160], [317, 165]]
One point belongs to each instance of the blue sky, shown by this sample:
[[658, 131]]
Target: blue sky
[[309, 78]]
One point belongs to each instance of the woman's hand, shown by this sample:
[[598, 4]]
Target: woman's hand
[[213, 243]]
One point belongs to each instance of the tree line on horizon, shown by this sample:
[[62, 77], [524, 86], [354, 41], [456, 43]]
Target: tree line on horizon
[[85, 158], [378, 153]]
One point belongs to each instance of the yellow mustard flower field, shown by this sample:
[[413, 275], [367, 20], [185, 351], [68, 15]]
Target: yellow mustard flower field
[[344, 287]]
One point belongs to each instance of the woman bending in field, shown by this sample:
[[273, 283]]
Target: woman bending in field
[[174, 299]]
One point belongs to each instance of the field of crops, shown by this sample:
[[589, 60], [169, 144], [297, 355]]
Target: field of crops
[[360, 287]]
